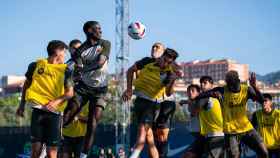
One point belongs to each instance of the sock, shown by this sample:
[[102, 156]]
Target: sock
[[83, 155], [135, 153]]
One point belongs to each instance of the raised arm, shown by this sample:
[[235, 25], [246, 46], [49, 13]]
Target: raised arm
[[253, 91]]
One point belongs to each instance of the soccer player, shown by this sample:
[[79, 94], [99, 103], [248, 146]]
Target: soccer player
[[167, 108], [154, 80], [74, 134], [47, 87], [91, 60], [267, 123], [237, 127], [211, 121], [196, 148], [73, 47]]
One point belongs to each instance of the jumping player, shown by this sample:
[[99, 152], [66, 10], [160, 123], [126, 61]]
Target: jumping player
[[154, 80], [91, 60]]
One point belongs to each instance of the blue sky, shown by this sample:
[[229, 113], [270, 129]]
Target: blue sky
[[247, 31]]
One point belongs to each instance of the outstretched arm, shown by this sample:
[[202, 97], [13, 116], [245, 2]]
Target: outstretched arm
[[215, 93]]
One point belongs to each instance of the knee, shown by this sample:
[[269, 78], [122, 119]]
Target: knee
[[150, 139], [162, 135]]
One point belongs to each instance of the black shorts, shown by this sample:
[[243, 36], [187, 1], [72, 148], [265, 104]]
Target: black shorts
[[211, 147], [251, 138], [45, 127], [145, 111], [95, 96], [214, 147], [83, 95], [72, 145], [167, 109], [274, 153], [197, 146]]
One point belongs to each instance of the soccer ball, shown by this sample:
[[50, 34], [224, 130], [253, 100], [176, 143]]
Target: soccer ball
[[136, 30]]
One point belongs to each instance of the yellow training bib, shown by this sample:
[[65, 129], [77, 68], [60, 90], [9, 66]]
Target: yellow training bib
[[269, 128], [211, 120], [149, 81], [47, 83], [77, 128], [235, 111]]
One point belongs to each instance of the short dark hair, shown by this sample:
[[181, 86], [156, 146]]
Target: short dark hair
[[170, 52], [195, 86], [232, 75], [74, 42], [54, 45], [267, 96], [206, 78], [89, 24]]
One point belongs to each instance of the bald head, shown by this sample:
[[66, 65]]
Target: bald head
[[157, 50]]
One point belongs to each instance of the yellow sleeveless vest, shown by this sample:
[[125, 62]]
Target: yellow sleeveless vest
[[235, 111], [269, 128], [77, 128], [211, 120], [47, 83], [149, 81]]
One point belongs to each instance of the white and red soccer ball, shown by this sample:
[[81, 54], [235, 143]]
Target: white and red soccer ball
[[136, 30]]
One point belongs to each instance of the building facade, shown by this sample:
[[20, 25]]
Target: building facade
[[217, 69]]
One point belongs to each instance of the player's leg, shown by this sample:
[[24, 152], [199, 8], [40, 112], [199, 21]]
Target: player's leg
[[73, 107], [214, 147], [195, 150], [52, 133], [232, 145], [37, 128], [254, 141], [162, 125], [66, 147], [94, 116], [152, 149], [145, 113], [77, 148]]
